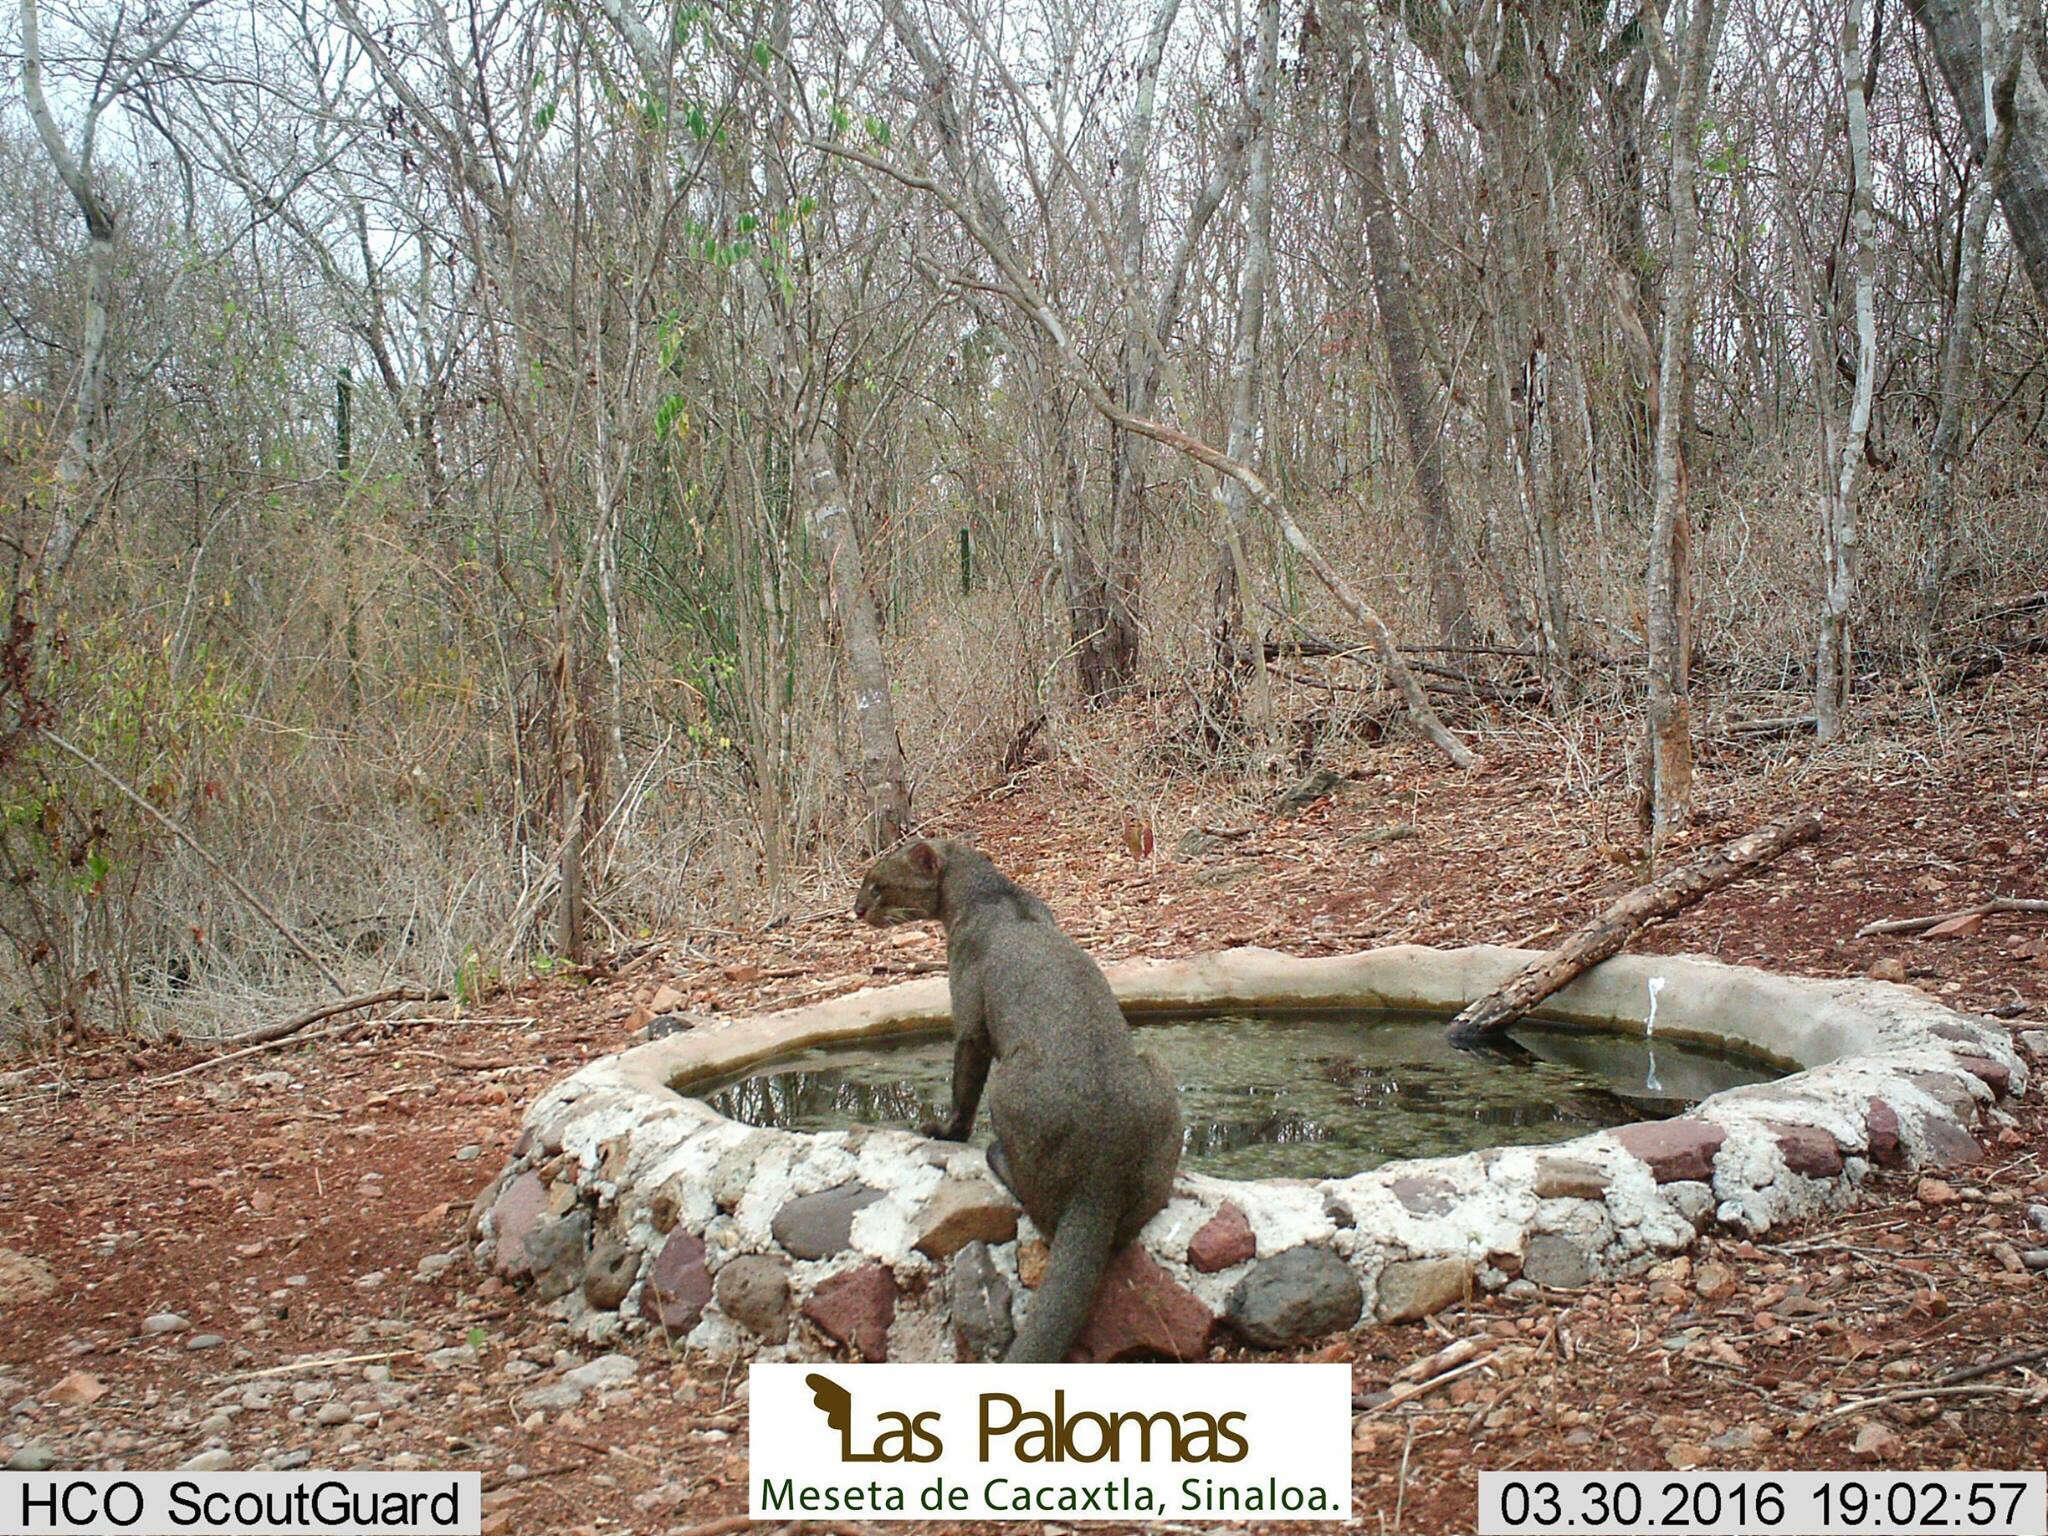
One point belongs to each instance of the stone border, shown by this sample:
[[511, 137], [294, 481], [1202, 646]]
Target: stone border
[[628, 1205]]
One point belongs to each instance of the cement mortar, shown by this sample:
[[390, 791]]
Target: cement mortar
[[621, 1145]]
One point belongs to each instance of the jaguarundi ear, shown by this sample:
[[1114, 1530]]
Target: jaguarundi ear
[[924, 858]]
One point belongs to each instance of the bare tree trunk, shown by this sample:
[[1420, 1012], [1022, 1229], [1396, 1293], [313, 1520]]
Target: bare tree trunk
[[78, 463], [1117, 649], [1365, 159], [821, 502], [1669, 583], [1959, 348], [1231, 575], [1833, 671], [1956, 29]]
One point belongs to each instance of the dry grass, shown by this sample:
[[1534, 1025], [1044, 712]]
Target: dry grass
[[388, 834]]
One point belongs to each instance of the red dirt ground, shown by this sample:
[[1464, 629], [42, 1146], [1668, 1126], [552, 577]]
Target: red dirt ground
[[289, 1215]]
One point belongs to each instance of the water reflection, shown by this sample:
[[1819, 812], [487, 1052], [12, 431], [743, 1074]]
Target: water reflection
[[1301, 1096]]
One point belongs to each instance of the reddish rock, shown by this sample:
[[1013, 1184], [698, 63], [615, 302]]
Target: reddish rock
[[1948, 1145], [1674, 1149], [1881, 1127], [1956, 927], [856, 1309], [1567, 1178], [1031, 1258], [1807, 1149], [678, 1286], [1142, 1311], [1225, 1239], [1995, 1076], [514, 1218], [1424, 1193], [1948, 1091]]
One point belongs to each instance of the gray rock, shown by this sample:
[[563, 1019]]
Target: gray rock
[[468, 1154], [555, 1254], [820, 1225], [1303, 1293], [209, 1461], [556, 1395], [1424, 1193], [1307, 791], [285, 1461], [596, 1375], [1412, 1289], [32, 1458], [1521, 1290], [604, 1371], [333, 1414], [753, 1290], [164, 1322], [434, 1266], [451, 1358], [2035, 1259], [205, 1341], [979, 1299], [2037, 1217], [610, 1273], [1557, 1262]]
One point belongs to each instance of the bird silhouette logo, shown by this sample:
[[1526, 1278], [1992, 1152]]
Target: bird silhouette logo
[[903, 1437]]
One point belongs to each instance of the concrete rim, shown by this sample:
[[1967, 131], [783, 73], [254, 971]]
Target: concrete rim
[[1879, 1074]]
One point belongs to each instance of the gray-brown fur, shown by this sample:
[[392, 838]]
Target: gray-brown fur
[[1087, 1127]]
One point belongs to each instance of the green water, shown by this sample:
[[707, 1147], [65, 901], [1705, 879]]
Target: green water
[[1292, 1095]]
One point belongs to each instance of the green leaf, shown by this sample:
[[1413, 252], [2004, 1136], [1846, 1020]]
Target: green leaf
[[762, 54], [878, 130], [672, 418], [543, 117]]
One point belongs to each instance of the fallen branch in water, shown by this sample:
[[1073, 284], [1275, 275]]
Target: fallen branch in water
[[1670, 892]]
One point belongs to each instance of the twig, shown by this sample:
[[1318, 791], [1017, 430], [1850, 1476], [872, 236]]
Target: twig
[[1992, 1367], [1922, 924], [121, 787], [1424, 1388], [1915, 1394], [285, 1027], [327, 1033], [315, 1365]]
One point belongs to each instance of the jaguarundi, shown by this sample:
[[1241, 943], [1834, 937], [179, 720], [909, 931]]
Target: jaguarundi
[[1087, 1127]]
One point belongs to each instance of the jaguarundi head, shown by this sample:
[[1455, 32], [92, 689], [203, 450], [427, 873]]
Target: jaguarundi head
[[902, 886]]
